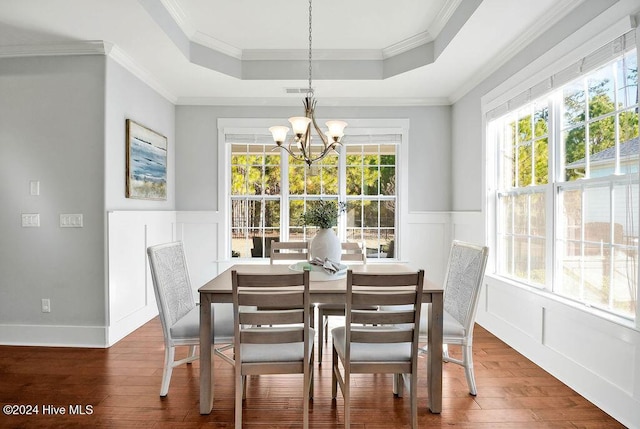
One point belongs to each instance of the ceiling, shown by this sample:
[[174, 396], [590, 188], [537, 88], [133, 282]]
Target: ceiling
[[249, 52]]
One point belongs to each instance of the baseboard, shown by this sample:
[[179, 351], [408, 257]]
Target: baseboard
[[53, 336]]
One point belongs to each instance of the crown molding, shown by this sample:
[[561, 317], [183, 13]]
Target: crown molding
[[407, 44], [318, 54], [551, 18], [217, 45], [89, 47], [326, 102], [443, 17], [179, 16], [181, 19], [119, 56]]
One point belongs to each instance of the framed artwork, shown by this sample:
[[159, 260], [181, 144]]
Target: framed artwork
[[146, 163]]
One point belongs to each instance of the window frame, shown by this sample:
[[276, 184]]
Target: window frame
[[557, 182], [356, 127]]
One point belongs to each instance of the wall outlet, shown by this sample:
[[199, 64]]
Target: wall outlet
[[30, 220], [71, 220], [46, 305]]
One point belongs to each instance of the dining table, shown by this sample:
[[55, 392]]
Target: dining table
[[323, 289]]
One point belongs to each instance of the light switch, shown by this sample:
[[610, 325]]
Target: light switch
[[73, 220], [34, 187], [30, 220]]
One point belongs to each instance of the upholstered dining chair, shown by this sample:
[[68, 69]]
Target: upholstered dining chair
[[465, 273], [391, 345], [179, 314], [272, 341], [351, 252]]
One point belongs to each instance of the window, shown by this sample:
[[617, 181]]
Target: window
[[269, 191], [567, 190]]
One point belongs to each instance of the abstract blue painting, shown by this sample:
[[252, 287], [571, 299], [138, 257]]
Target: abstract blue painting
[[146, 163]]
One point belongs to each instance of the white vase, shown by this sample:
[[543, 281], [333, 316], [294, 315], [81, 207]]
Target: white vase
[[326, 245]]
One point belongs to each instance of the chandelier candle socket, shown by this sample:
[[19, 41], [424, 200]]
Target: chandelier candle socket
[[303, 125]]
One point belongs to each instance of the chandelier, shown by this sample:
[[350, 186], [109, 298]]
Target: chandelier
[[299, 146]]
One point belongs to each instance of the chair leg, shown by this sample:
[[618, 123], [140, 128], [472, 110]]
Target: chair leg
[[306, 390], [169, 354], [467, 358], [320, 334], [334, 378], [193, 353], [346, 394], [398, 385], [413, 391], [240, 382]]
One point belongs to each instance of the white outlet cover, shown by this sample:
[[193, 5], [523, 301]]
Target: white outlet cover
[[34, 187], [30, 220], [71, 220]]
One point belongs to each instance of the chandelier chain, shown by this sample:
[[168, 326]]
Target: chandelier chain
[[310, 90]]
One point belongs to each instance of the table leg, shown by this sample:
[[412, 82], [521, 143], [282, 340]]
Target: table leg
[[206, 346], [434, 357]]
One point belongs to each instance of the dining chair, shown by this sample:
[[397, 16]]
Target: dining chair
[[465, 273], [272, 341], [351, 252], [390, 346], [289, 251], [179, 314]]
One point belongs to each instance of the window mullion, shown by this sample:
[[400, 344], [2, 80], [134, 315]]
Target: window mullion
[[284, 198], [342, 191]]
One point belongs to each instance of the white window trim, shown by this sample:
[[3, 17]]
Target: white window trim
[[564, 53], [356, 126]]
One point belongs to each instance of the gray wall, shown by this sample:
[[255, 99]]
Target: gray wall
[[467, 168], [62, 122], [429, 149], [52, 130], [129, 98]]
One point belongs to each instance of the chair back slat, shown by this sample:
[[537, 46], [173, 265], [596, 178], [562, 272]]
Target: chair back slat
[[289, 251], [365, 297], [352, 251], [384, 280], [279, 317], [270, 298], [271, 336], [381, 336], [271, 280], [367, 317]]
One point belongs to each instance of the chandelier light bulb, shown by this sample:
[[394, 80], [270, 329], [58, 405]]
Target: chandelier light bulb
[[299, 125], [279, 134], [336, 129]]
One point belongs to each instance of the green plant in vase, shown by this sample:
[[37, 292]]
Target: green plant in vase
[[324, 215]]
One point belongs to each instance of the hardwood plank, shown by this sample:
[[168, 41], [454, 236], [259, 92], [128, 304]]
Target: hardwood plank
[[122, 385]]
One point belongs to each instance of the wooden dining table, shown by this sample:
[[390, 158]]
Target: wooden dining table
[[323, 290]]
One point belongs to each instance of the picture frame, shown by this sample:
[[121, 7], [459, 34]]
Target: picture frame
[[146, 163]]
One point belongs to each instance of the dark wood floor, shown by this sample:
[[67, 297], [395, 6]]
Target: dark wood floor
[[118, 388]]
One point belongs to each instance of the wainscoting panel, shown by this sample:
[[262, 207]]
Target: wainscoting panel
[[504, 302], [131, 300], [199, 233], [597, 357], [565, 333]]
